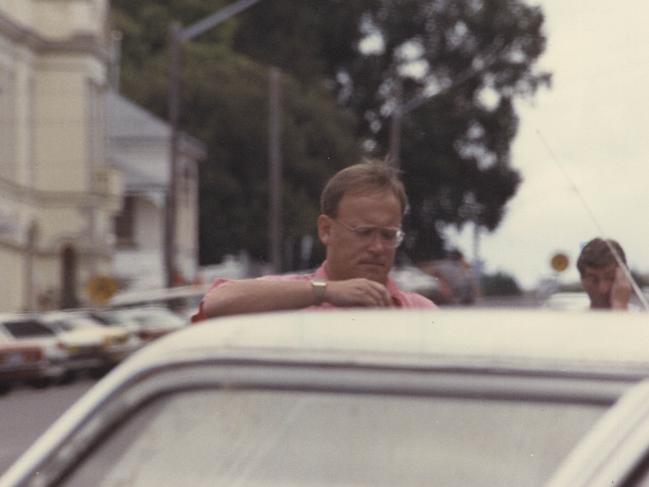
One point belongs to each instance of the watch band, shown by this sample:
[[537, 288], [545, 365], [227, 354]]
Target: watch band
[[319, 288]]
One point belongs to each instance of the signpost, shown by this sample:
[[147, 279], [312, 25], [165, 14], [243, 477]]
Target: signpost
[[101, 288], [559, 262]]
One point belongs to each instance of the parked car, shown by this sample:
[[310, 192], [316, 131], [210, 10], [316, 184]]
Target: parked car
[[182, 300], [412, 278], [91, 346], [152, 321], [480, 397], [24, 335], [565, 300], [20, 362]]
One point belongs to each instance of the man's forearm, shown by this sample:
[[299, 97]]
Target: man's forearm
[[258, 295]]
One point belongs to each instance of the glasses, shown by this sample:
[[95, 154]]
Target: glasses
[[389, 235]]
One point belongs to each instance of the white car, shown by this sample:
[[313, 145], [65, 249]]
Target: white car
[[90, 345], [375, 398], [569, 301], [413, 279], [152, 321], [21, 361], [183, 300], [28, 331]]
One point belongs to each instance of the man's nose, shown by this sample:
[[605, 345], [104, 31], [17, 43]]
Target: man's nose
[[377, 244]]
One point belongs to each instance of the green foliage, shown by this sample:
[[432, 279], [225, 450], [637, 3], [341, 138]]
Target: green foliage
[[455, 148], [337, 97], [499, 284], [225, 104]]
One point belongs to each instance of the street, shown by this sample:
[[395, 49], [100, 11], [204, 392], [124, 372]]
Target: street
[[27, 412]]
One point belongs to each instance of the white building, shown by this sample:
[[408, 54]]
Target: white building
[[58, 196], [138, 144]]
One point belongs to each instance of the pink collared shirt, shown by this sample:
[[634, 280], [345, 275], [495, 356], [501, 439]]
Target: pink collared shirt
[[401, 299]]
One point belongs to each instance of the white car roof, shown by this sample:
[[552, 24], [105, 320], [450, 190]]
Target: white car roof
[[479, 337]]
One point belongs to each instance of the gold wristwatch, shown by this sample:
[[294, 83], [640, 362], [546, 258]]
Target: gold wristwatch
[[319, 288]]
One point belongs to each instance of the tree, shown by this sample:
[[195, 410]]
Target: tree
[[478, 55], [347, 65], [225, 100], [499, 284]]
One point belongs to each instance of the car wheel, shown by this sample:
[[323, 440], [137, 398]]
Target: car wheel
[[69, 377], [41, 382], [99, 372]]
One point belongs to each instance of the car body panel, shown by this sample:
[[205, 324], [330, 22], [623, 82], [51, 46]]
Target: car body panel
[[29, 331], [515, 357], [21, 362], [152, 321], [90, 344]]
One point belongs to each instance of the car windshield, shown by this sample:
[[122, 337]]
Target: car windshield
[[27, 328], [106, 318], [313, 438]]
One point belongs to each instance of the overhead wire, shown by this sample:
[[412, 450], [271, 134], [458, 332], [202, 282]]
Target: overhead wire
[[573, 186]]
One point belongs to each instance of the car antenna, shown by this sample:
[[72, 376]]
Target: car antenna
[[625, 269]]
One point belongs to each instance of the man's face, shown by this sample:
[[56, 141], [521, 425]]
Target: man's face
[[598, 282], [354, 249]]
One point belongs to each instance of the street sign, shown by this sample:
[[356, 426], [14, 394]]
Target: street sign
[[101, 288], [559, 262]]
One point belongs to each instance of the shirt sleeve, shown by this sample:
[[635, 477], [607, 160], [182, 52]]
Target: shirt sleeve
[[417, 301], [200, 313]]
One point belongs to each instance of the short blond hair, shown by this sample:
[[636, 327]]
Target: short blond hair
[[366, 177]]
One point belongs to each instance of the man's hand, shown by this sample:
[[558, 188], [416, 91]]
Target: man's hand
[[357, 292], [620, 291]]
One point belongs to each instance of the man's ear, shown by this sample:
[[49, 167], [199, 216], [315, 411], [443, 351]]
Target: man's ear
[[324, 229]]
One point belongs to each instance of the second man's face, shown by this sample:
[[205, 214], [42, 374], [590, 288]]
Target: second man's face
[[598, 282], [358, 240]]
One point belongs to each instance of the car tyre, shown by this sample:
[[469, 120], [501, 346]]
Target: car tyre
[[41, 382]]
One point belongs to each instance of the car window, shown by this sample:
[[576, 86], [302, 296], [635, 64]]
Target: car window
[[27, 328], [639, 477], [106, 319], [318, 438]]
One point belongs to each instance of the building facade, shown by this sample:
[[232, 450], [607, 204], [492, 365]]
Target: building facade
[[138, 145], [58, 194]]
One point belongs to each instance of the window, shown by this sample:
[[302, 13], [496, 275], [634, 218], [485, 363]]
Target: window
[[273, 438], [8, 122], [125, 223]]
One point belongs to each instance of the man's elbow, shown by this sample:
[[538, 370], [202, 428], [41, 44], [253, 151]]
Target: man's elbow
[[224, 301]]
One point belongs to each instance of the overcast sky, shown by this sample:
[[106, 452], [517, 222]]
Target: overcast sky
[[582, 146]]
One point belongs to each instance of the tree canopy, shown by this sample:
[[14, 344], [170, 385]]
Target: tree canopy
[[453, 68]]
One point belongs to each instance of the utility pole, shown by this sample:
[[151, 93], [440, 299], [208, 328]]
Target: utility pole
[[174, 109], [178, 36], [403, 108], [395, 125], [275, 171]]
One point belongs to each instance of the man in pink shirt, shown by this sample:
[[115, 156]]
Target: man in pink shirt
[[360, 226]]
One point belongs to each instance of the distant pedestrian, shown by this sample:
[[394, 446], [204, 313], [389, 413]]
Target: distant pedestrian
[[457, 279], [602, 277], [362, 208]]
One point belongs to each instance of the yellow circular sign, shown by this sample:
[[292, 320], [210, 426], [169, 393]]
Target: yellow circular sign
[[559, 262], [101, 289]]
